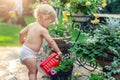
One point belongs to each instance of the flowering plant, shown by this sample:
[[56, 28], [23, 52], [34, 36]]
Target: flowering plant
[[83, 6]]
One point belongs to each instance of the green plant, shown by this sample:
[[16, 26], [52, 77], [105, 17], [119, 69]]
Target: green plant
[[100, 43], [113, 70], [65, 65], [95, 44], [60, 29], [64, 70], [112, 7], [57, 30], [98, 76], [84, 6]]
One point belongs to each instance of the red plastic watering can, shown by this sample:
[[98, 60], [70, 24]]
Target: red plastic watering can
[[51, 61]]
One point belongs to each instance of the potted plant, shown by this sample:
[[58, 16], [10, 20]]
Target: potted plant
[[82, 6], [98, 76], [101, 45], [64, 70], [82, 10], [61, 34]]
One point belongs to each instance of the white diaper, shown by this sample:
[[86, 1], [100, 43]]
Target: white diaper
[[26, 52]]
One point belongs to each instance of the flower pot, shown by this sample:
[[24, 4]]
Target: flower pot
[[103, 61], [80, 17], [62, 75], [62, 40], [63, 46]]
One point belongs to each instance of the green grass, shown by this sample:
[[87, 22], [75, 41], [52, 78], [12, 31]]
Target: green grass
[[9, 33], [29, 19]]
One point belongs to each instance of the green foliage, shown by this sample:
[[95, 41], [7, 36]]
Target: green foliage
[[95, 44], [65, 65], [96, 77], [57, 30], [113, 69], [99, 42], [113, 7], [60, 29], [84, 6], [56, 3]]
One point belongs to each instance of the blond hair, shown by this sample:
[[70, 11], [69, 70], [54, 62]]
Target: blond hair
[[45, 10]]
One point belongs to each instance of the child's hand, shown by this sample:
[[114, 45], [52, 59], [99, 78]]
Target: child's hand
[[21, 41], [60, 54]]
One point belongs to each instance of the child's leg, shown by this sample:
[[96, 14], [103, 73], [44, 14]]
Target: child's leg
[[31, 65]]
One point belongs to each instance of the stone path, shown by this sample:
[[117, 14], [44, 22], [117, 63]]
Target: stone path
[[12, 69]]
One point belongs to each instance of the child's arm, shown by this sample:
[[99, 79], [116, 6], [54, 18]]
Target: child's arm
[[51, 42], [22, 33]]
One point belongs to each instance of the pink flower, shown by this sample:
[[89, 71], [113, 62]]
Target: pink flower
[[53, 72], [40, 61]]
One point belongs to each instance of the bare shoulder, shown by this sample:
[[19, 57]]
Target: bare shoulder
[[29, 26], [33, 25], [44, 30]]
